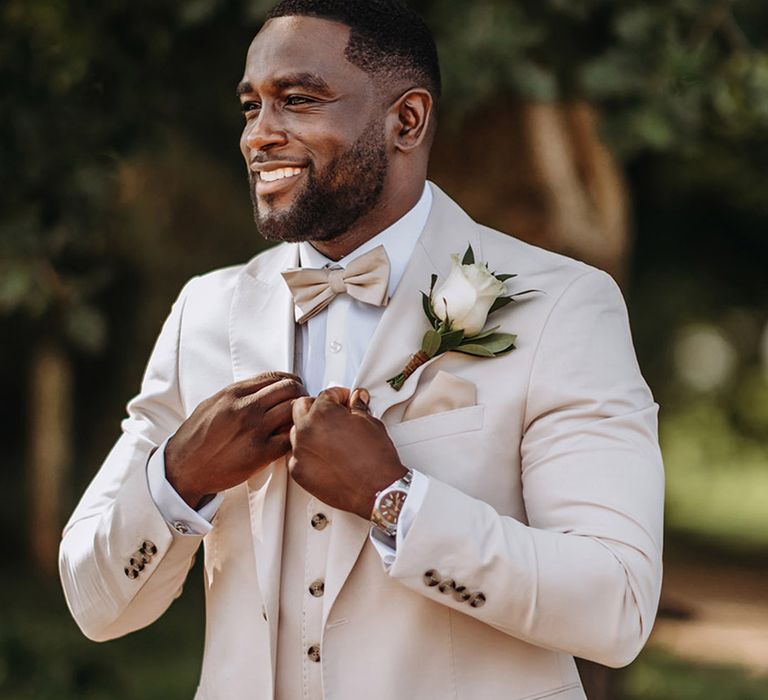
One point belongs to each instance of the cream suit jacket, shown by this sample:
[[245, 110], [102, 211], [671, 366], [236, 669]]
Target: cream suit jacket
[[546, 495]]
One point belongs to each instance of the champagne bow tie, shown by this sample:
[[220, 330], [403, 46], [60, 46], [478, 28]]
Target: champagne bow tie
[[366, 278]]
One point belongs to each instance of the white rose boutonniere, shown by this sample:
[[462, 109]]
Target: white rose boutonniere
[[457, 312]]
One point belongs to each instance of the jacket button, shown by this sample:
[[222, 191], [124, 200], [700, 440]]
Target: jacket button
[[314, 653], [447, 586], [431, 578], [130, 572], [461, 594], [319, 521], [317, 588], [138, 561], [148, 547], [477, 600]]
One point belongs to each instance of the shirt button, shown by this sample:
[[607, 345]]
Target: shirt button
[[314, 653], [335, 346], [317, 588], [319, 521]]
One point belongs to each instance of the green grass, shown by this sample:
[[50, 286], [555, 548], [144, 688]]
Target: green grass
[[659, 676], [717, 479], [43, 656]]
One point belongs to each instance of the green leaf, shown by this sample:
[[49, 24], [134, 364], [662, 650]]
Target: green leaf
[[496, 342], [527, 291], [469, 256], [483, 334], [431, 343], [478, 350], [426, 304], [450, 340], [432, 284], [500, 303], [503, 277]]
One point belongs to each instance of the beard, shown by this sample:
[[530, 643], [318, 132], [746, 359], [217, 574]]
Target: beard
[[332, 199]]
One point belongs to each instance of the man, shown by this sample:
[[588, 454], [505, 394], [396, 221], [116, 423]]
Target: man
[[527, 523]]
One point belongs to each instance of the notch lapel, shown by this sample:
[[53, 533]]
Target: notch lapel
[[261, 333], [399, 334]]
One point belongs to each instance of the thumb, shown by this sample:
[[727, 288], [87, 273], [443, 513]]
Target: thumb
[[360, 400]]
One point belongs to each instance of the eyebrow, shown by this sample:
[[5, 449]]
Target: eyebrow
[[306, 80]]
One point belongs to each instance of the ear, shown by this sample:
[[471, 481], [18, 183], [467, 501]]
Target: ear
[[409, 119]]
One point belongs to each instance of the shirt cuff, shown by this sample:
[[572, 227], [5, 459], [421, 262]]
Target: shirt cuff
[[387, 546], [181, 517]]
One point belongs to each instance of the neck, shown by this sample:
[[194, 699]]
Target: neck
[[392, 206]]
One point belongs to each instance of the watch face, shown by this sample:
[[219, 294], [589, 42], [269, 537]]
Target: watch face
[[391, 505]]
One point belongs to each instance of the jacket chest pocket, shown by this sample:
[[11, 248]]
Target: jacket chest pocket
[[456, 422]]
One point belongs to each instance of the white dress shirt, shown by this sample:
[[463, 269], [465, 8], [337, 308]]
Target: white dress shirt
[[329, 349]]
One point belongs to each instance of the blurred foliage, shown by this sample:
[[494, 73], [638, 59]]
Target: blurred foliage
[[43, 656], [85, 86], [659, 676], [76, 97], [665, 72]]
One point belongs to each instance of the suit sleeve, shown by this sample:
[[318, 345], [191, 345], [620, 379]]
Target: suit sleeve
[[117, 521], [583, 576]]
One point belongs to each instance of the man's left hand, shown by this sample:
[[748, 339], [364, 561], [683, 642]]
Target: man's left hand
[[341, 454]]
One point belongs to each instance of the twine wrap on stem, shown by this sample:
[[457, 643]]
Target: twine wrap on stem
[[416, 361]]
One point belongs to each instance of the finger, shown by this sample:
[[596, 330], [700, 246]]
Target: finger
[[338, 395], [300, 409], [283, 391], [279, 444], [360, 400], [278, 417], [260, 381]]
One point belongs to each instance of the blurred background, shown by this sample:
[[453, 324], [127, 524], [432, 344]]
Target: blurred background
[[630, 134]]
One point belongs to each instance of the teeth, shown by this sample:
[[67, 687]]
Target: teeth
[[280, 174]]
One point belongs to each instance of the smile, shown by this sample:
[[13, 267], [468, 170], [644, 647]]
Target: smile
[[280, 174], [277, 180]]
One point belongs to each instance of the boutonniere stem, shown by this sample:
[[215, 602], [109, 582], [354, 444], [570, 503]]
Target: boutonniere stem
[[457, 312]]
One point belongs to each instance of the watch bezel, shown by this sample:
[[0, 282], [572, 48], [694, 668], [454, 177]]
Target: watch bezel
[[379, 520]]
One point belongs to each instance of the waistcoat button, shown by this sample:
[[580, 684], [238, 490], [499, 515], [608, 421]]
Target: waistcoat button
[[319, 521]]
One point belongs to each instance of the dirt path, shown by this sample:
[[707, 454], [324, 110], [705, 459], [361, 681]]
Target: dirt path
[[715, 614]]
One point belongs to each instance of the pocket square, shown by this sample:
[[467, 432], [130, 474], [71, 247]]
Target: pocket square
[[445, 392]]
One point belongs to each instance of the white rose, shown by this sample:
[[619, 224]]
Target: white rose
[[466, 296]]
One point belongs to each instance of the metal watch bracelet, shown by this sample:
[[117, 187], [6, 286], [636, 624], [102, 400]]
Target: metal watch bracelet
[[388, 505]]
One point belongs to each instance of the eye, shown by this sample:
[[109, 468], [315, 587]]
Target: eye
[[296, 100], [249, 106]]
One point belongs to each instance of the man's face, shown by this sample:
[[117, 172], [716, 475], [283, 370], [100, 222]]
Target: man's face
[[314, 138]]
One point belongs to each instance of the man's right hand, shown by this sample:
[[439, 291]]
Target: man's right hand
[[232, 435]]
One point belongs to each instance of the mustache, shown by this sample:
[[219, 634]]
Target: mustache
[[263, 158]]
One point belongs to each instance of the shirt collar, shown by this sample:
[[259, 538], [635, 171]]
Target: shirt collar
[[398, 240]]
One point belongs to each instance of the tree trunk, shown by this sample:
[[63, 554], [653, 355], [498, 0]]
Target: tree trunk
[[50, 450], [542, 173]]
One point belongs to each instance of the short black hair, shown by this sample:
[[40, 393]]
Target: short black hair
[[388, 40]]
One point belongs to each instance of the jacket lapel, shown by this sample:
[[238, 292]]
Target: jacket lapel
[[261, 337], [399, 334]]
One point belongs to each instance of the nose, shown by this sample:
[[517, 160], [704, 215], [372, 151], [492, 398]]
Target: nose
[[264, 131]]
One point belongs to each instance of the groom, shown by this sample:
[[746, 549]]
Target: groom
[[463, 537]]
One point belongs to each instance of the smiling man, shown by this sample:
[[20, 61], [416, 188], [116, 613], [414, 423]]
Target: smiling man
[[462, 536]]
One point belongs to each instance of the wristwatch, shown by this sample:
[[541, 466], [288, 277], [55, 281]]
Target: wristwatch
[[389, 503]]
